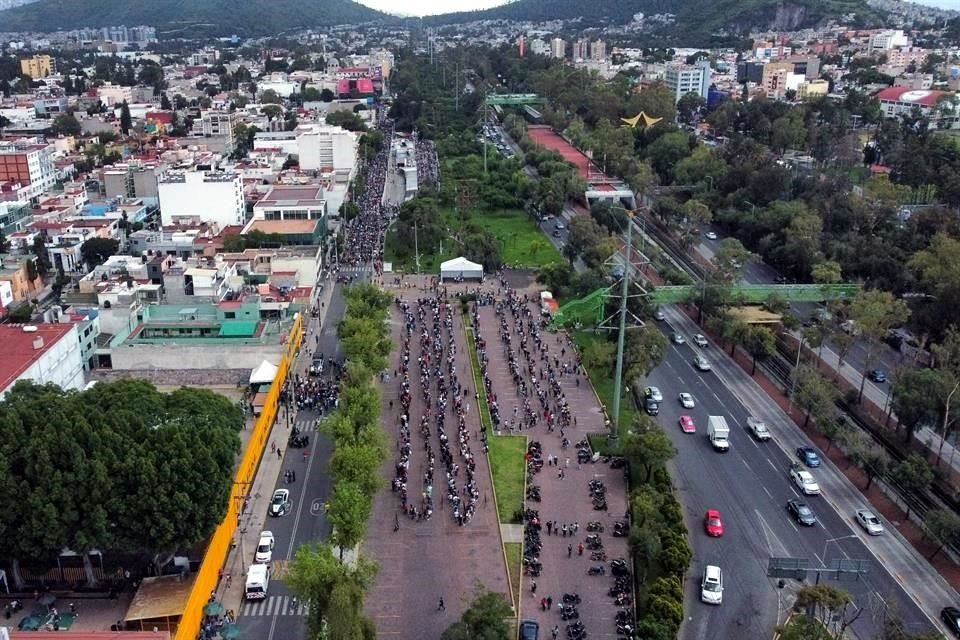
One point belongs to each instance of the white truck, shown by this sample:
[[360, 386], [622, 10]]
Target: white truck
[[758, 428], [719, 433]]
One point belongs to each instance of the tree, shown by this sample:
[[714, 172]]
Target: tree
[[95, 251], [729, 260], [269, 96], [125, 120], [938, 273], [66, 124], [696, 214], [348, 510], [647, 445], [643, 352], [829, 606], [584, 234], [666, 151], [760, 344], [914, 401], [42, 259], [942, 527], [326, 95], [803, 628], [165, 102], [485, 619], [814, 394], [689, 106], [876, 312], [914, 474], [826, 272]]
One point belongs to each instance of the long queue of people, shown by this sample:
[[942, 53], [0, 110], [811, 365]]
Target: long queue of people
[[428, 165], [429, 328], [364, 234]]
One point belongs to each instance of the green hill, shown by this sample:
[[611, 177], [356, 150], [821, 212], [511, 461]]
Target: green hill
[[695, 19], [213, 17]]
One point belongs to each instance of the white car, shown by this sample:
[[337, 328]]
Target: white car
[[870, 523], [264, 553], [653, 393], [658, 315], [804, 481], [686, 400], [711, 586], [678, 338], [700, 340], [701, 363], [710, 235]]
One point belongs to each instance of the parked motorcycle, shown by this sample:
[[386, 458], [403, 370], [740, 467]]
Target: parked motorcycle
[[597, 570]]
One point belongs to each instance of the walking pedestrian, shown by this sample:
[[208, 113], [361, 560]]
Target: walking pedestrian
[[569, 550], [533, 588], [580, 549], [555, 633], [549, 603], [441, 606], [549, 527]]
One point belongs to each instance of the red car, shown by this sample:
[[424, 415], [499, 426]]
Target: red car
[[713, 524], [686, 423]]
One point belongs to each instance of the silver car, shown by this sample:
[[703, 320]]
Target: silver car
[[870, 523]]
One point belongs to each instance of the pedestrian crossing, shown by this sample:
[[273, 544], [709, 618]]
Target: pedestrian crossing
[[272, 606]]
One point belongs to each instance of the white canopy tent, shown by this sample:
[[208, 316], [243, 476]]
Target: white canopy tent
[[263, 374], [461, 268]]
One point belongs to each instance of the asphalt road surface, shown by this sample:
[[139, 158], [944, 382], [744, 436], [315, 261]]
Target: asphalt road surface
[[276, 618], [750, 487]]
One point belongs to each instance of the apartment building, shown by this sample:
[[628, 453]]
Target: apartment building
[[580, 49], [558, 48], [38, 66], [30, 164], [682, 79], [598, 50], [220, 124]]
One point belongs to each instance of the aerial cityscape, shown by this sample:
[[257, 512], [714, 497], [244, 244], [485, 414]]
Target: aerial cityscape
[[542, 320]]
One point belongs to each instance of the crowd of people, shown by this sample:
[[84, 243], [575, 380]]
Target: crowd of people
[[428, 335], [364, 234], [428, 165]]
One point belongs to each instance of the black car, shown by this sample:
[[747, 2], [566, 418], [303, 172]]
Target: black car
[[529, 630], [951, 618], [801, 513], [878, 376], [652, 406]]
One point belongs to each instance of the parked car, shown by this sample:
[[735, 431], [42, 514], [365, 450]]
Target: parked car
[[264, 553], [808, 456], [529, 630], [280, 503], [653, 392], [710, 235], [879, 376]]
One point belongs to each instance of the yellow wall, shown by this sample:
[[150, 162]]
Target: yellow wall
[[37, 66], [220, 543]]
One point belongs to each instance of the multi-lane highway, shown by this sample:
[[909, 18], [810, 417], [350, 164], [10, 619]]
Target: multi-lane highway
[[750, 486]]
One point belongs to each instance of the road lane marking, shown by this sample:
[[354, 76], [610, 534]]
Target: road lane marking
[[303, 495]]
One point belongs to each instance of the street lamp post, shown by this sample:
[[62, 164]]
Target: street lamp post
[[823, 557]]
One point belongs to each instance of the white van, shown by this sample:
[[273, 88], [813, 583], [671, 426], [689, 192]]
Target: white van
[[258, 581]]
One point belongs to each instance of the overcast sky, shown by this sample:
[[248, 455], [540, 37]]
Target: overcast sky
[[430, 7]]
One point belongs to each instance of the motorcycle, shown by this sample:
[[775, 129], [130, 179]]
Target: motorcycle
[[595, 526], [599, 556], [597, 570], [621, 530], [571, 598], [569, 613], [599, 504], [625, 630]]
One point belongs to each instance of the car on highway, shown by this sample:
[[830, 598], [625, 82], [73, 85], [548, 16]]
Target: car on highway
[[710, 235], [869, 522], [808, 456], [711, 586], [878, 376], [677, 338], [651, 406], [687, 424], [758, 428], [686, 400], [560, 226], [556, 233], [951, 618], [801, 513], [654, 393], [529, 630], [803, 480], [700, 340], [713, 524], [702, 363], [280, 503], [264, 552], [658, 315]]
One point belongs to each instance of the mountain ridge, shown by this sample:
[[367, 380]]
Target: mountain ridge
[[212, 17]]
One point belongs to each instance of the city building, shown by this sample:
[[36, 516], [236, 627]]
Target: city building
[[778, 78], [905, 56], [883, 41], [42, 353], [14, 215], [320, 148], [539, 47], [558, 48], [38, 66], [29, 163], [220, 124], [19, 277], [812, 89], [598, 50], [111, 94], [201, 196], [682, 79], [580, 49], [939, 106], [298, 212], [131, 180]]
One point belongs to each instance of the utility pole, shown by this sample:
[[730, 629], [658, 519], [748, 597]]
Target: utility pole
[[614, 437], [416, 247], [456, 73]]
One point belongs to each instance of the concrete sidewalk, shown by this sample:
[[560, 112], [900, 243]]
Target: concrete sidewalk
[[230, 589]]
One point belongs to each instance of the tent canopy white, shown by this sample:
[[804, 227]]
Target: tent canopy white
[[264, 373], [461, 268]]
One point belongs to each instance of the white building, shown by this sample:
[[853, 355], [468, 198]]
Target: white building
[[539, 47], [558, 48], [44, 353], [111, 94], [889, 39], [322, 148], [685, 78], [201, 196], [30, 164], [217, 124]]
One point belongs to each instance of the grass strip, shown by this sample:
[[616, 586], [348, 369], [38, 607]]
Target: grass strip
[[514, 553]]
